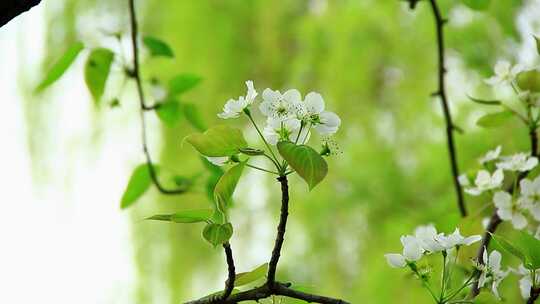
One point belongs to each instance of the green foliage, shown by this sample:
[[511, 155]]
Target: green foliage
[[245, 278], [183, 83], [226, 185], [252, 151], [157, 47], [193, 116], [169, 112], [305, 161], [60, 67], [494, 120], [486, 102], [529, 81], [96, 71], [186, 216], [139, 182], [217, 234], [218, 141], [525, 247], [479, 5]]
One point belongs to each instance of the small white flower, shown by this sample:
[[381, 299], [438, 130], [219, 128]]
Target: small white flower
[[234, 107], [530, 196], [525, 283], [324, 122], [427, 237], [280, 106], [412, 252], [463, 180], [456, 239], [485, 181], [518, 162], [504, 73], [396, 260], [491, 155], [277, 130], [218, 160], [508, 211], [490, 271]]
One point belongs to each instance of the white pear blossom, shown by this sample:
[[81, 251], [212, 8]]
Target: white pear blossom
[[427, 236], [530, 196], [526, 283], [324, 122], [491, 155], [518, 162], [456, 239], [218, 160], [277, 129], [412, 252], [507, 210], [485, 181], [234, 107], [504, 73], [280, 106], [491, 272]]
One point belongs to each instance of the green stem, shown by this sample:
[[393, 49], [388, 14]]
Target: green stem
[[443, 279], [264, 140], [262, 169]]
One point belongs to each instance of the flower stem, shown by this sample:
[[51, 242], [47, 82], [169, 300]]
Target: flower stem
[[261, 169], [264, 140]]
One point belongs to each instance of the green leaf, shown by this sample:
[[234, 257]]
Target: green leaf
[[485, 102], [193, 116], [157, 47], [226, 185], [182, 83], [479, 5], [96, 71], [139, 182], [537, 40], [529, 81], [218, 141], [307, 162], [494, 120], [245, 278], [217, 234], [169, 112], [60, 67], [251, 151], [186, 216], [506, 245], [531, 248]]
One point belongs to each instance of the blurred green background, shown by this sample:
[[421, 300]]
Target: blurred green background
[[375, 64]]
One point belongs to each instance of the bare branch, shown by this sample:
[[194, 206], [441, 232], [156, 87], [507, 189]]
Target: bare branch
[[10, 9], [282, 226]]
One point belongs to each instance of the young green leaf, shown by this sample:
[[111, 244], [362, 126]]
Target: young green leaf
[[193, 116], [529, 81], [485, 102], [245, 278], [510, 248], [218, 141], [479, 5], [494, 120], [217, 234], [307, 162], [531, 248], [182, 83], [157, 47], [226, 185], [96, 71], [169, 112], [186, 216], [60, 67], [251, 151], [139, 182]]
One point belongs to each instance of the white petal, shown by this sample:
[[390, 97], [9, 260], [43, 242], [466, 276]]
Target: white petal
[[497, 178], [505, 213], [271, 95], [526, 186], [519, 221], [495, 260], [493, 81], [464, 180], [502, 68], [535, 211], [251, 92], [412, 252], [525, 285], [329, 125], [530, 164], [314, 103], [471, 240], [502, 200], [395, 260], [292, 96]]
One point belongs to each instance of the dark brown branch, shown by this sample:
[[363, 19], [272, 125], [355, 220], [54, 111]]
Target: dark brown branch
[[137, 77], [282, 226], [229, 284], [535, 294], [10, 9], [441, 92], [278, 289]]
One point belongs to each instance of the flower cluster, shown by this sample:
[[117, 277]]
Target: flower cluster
[[427, 240], [288, 117], [513, 208], [491, 271]]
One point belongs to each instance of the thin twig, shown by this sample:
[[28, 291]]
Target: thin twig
[[282, 226], [441, 92], [535, 294], [229, 284], [135, 74]]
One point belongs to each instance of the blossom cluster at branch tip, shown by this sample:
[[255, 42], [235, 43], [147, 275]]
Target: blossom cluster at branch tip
[[427, 240], [491, 271], [288, 117]]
